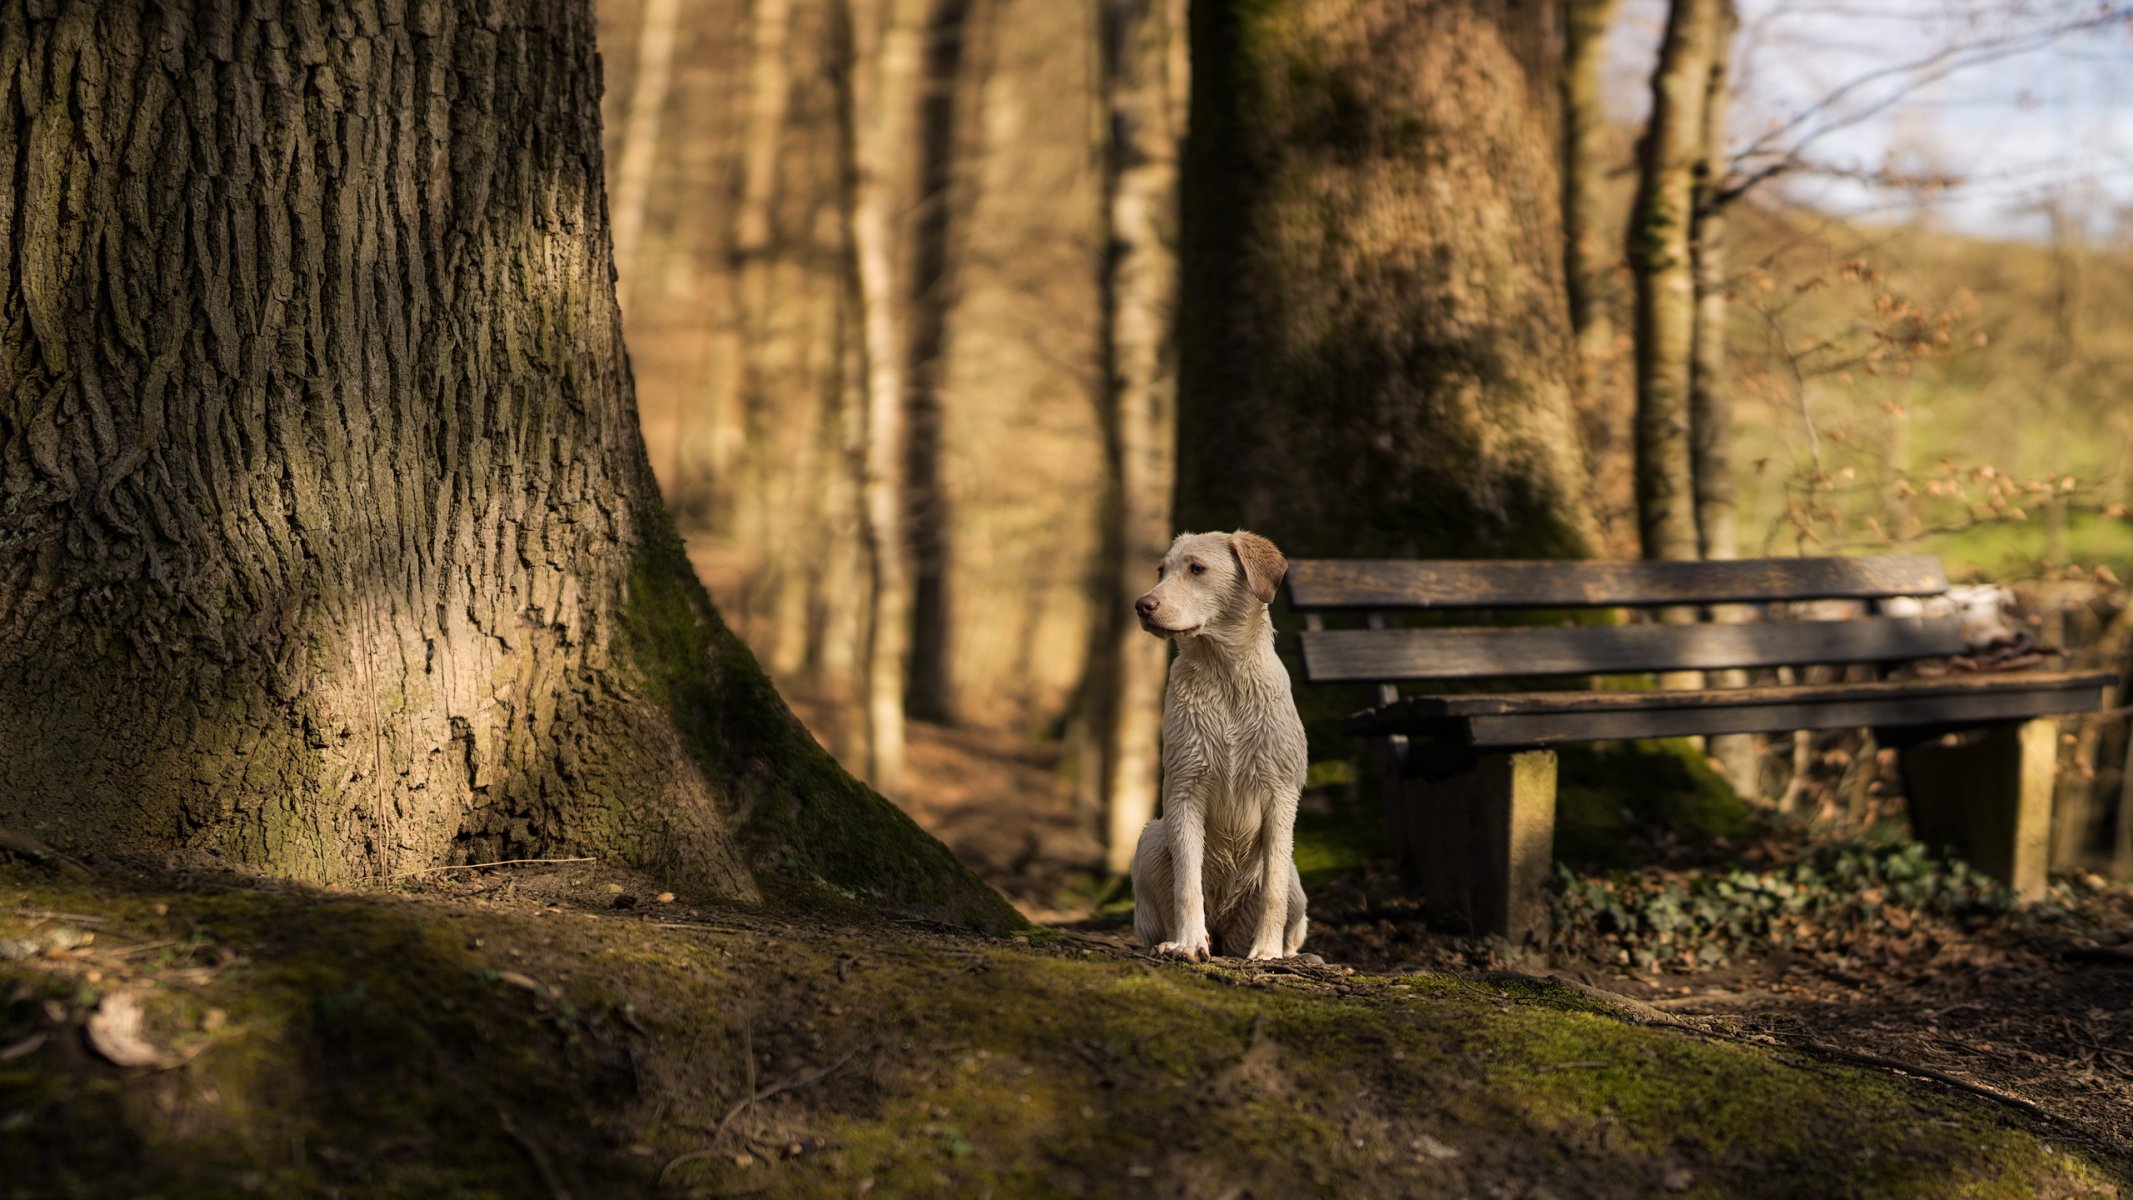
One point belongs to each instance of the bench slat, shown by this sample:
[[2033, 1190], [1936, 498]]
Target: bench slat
[[1326, 583], [1358, 655], [1554, 718]]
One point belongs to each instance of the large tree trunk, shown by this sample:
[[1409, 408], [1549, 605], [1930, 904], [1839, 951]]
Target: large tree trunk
[[331, 547], [1146, 76], [1376, 353]]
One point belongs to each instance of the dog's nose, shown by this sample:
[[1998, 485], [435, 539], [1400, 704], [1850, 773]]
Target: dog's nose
[[1146, 605]]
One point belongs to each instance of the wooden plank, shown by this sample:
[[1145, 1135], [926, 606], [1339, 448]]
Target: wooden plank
[[1325, 583], [1950, 711], [1356, 655], [1489, 704], [1988, 793]]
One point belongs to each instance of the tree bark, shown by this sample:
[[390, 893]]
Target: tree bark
[[1591, 258], [1662, 259], [332, 550], [1588, 255], [1375, 344], [1711, 385], [1146, 87], [887, 52]]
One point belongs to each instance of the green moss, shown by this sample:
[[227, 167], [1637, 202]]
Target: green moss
[[810, 831], [376, 1047]]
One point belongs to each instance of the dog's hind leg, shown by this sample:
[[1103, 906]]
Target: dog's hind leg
[[1292, 938], [1153, 919]]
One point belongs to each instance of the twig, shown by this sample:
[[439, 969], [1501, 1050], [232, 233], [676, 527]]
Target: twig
[[1854, 1058], [507, 862], [534, 1152], [742, 1105]]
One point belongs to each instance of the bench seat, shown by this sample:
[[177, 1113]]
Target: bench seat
[[1517, 719]]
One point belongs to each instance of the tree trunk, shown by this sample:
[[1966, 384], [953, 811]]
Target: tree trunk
[[1662, 259], [332, 548], [1375, 347], [1711, 388], [887, 52], [1146, 79], [1590, 259], [931, 690], [658, 24]]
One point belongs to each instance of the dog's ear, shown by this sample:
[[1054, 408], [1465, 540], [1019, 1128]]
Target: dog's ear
[[1263, 564]]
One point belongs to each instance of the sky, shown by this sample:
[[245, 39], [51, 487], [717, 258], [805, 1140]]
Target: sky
[[2046, 120]]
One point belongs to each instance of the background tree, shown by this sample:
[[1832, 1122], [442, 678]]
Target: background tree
[[319, 452], [1147, 74], [1376, 353]]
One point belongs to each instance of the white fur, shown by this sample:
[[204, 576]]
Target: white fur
[[1216, 874]]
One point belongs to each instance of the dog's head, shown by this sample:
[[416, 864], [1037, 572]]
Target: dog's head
[[1210, 580]]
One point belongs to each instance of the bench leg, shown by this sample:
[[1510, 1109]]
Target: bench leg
[[1482, 837], [1988, 793]]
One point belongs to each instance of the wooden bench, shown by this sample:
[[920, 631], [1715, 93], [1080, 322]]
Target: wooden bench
[[1470, 777]]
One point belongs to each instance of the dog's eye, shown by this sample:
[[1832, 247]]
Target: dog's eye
[[1199, 568], [1159, 572]]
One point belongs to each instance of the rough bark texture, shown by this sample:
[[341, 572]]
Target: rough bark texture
[[1662, 259], [1146, 76], [1376, 356], [330, 546]]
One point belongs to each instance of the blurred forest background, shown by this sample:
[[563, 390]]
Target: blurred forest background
[[945, 314]]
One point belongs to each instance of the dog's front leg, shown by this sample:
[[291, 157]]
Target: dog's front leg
[[1279, 833], [1185, 825]]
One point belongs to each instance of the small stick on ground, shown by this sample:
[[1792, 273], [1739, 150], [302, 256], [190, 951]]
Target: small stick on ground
[[785, 1085], [556, 1190], [506, 862]]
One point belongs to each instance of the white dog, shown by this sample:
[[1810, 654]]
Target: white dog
[[1221, 859]]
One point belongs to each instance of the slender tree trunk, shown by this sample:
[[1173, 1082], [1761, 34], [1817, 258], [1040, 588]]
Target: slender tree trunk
[[767, 516], [1589, 255], [931, 691], [1145, 107], [318, 448], [1590, 258], [636, 164], [1662, 259], [1711, 387], [1375, 345], [887, 56]]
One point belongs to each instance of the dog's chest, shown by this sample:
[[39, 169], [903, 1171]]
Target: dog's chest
[[1244, 741]]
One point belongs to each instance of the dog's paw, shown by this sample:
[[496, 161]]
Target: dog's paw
[[1261, 952], [1185, 949]]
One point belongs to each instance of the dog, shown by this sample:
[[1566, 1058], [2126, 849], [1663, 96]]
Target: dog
[[1216, 873]]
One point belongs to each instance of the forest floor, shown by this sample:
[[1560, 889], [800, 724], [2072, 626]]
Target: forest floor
[[573, 1030], [567, 1031], [2034, 1008]]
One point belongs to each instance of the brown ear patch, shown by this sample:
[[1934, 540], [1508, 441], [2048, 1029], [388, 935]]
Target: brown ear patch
[[1263, 564]]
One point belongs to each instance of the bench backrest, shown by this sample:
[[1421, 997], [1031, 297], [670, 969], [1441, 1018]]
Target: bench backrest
[[1378, 654]]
